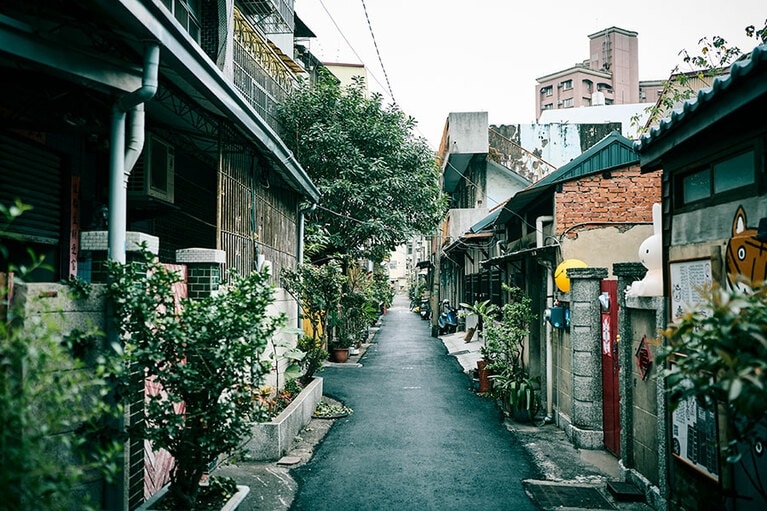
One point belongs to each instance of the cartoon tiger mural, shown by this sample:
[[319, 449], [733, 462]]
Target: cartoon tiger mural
[[746, 251]]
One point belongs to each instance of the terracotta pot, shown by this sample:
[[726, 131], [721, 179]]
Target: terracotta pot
[[469, 334], [484, 380], [341, 355]]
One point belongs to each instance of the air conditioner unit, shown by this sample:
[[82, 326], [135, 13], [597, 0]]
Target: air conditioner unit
[[153, 174]]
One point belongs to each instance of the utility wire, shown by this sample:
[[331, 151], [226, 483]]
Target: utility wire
[[375, 44], [375, 78]]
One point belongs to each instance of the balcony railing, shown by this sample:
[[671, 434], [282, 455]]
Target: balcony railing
[[271, 16], [259, 73]]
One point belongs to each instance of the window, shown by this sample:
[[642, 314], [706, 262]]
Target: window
[[547, 91], [732, 173], [547, 106], [567, 84], [567, 103], [696, 186], [186, 12]]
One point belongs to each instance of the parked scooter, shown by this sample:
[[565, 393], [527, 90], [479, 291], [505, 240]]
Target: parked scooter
[[448, 319], [424, 310]]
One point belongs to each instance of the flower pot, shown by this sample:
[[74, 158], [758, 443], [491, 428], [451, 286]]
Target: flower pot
[[341, 354], [231, 505], [469, 334], [484, 376], [484, 380]]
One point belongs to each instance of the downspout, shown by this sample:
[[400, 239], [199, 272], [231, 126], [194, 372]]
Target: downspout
[[122, 160], [121, 163], [549, 332], [300, 249]]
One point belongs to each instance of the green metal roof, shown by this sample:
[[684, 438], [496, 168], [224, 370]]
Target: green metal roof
[[613, 151], [729, 93]]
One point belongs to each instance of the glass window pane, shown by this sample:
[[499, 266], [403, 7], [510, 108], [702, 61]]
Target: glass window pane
[[696, 186], [734, 172]]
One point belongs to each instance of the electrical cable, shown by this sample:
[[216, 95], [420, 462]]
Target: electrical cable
[[375, 78], [375, 44]]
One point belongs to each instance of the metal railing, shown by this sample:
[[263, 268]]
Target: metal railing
[[259, 73]]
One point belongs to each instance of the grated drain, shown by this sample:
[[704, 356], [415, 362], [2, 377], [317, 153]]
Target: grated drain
[[552, 496], [462, 352]]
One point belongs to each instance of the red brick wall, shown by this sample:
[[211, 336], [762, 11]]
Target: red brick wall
[[626, 196]]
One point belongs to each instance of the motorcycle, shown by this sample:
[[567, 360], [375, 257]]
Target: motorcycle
[[448, 319], [424, 310]]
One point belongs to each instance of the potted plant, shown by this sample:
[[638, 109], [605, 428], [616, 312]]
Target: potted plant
[[504, 350], [205, 354], [483, 310]]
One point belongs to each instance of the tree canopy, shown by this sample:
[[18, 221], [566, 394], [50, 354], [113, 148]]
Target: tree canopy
[[379, 182]]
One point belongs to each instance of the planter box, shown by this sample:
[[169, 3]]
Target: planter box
[[231, 505], [271, 440]]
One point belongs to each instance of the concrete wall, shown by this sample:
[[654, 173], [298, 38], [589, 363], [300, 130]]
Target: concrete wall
[[644, 398], [468, 132], [601, 247], [271, 440]]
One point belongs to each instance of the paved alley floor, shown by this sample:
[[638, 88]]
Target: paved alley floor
[[418, 439]]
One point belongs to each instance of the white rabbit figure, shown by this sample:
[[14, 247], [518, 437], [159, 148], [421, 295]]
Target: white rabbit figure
[[650, 253]]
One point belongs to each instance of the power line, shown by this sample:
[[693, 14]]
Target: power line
[[375, 44], [375, 78]]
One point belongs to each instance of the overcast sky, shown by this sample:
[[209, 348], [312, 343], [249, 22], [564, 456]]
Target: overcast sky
[[445, 56]]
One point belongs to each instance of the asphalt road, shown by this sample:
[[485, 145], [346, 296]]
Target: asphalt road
[[419, 438]]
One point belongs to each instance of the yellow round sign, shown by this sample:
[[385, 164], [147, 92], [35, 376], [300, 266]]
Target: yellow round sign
[[560, 275]]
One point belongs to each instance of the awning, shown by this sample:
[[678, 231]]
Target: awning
[[520, 254]]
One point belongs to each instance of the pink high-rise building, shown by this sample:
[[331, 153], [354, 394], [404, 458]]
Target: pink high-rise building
[[609, 76]]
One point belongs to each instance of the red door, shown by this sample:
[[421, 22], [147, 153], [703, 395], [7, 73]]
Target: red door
[[610, 398]]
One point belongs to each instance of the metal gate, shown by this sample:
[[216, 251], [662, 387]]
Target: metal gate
[[610, 367]]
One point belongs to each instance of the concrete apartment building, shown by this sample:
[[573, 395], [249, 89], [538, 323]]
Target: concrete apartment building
[[610, 76]]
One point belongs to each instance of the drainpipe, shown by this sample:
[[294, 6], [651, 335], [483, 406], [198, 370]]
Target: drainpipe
[[549, 333], [301, 222], [121, 161], [300, 250]]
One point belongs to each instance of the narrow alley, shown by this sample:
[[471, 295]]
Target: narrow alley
[[418, 437]]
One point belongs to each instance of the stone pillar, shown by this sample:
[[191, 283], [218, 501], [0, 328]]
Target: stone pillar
[[586, 430], [204, 270], [626, 273]]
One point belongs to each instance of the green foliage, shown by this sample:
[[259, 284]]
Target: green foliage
[[358, 307], [53, 404], [484, 310], [79, 289], [504, 351], [719, 356], [314, 358], [379, 183], [318, 291], [714, 55], [204, 353]]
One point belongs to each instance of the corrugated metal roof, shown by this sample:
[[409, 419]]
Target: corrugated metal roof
[[486, 221], [611, 152], [739, 72]]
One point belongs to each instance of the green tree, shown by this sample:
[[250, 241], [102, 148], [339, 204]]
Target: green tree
[[379, 183], [713, 58]]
